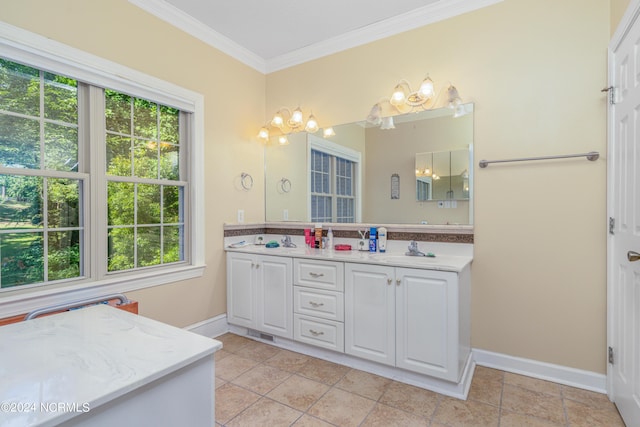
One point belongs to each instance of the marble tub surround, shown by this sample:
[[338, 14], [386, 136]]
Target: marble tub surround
[[88, 358], [422, 233]]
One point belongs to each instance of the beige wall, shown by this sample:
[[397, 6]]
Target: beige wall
[[534, 70], [127, 35], [618, 7]]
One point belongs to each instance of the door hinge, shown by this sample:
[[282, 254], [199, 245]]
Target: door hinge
[[612, 93], [611, 355], [612, 225]]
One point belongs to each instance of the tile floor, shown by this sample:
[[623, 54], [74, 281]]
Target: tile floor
[[261, 385]]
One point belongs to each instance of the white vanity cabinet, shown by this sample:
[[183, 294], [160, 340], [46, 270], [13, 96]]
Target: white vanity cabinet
[[260, 293], [409, 318], [319, 303]]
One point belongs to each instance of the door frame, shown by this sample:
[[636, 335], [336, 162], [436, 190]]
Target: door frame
[[630, 16]]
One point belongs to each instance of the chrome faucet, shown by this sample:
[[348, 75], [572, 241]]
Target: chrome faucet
[[287, 243], [413, 249]]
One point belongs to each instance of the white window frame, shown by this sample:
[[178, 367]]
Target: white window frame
[[37, 51], [337, 150]]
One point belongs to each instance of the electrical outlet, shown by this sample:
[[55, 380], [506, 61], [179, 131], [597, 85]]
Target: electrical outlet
[[454, 204], [240, 216], [285, 214], [440, 204], [447, 204]]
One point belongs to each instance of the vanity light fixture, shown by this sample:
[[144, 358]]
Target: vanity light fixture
[[283, 140], [328, 132], [404, 100], [387, 123], [285, 122]]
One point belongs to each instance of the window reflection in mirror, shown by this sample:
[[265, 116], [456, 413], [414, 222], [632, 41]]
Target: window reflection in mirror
[[382, 153]]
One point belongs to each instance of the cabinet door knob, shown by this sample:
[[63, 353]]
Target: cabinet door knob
[[398, 281], [389, 281], [315, 333]]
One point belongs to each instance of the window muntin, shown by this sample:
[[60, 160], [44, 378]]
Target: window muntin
[[42, 175]]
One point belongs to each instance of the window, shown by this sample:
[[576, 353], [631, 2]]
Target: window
[[71, 151], [41, 218], [332, 176], [145, 196]]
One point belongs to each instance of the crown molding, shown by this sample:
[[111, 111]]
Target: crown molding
[[398, 24], [187, 23], [426, 15]]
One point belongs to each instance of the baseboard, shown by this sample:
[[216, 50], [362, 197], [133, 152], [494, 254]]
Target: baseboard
[[586, 380], [545, 371], [210, 328]]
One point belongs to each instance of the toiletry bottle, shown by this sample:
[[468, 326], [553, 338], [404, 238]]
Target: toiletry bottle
[[382, 239], [330, 239], [318, 236], [307, 237], [372, 240]]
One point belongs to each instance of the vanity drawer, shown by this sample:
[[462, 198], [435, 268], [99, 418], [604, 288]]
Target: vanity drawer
[[318, 274], [318, 303], [319, 332]]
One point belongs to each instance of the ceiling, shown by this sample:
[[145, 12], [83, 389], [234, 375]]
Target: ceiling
[[270, 35]]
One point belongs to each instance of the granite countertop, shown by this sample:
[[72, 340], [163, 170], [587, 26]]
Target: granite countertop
[[454, 263], [85, 358]]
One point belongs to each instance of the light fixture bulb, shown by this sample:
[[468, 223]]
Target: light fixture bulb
[[296, 118], [459, 111], [454, 97], [374, 116], [277, 120], [426, 88], [328, 132], [398, 97], [312, 125], [387, 123], [263, 134], [283, 140]]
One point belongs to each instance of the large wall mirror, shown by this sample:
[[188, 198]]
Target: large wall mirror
[[372, 175]]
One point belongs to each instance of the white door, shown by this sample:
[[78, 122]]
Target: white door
[[241, 289], [427, 322], [624, 207], [369, 320], [275, 295]]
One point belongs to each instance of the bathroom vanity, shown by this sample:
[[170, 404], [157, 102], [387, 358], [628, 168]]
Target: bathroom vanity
[[100, 366], [403, 317]]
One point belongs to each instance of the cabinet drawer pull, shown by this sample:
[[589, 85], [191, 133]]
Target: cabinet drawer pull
[[316, 304], [312, 274], [315, 333]]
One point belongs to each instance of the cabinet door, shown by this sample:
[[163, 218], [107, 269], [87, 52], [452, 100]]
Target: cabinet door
[[370, 312], [241, 289], [427, 322], [275, 295]]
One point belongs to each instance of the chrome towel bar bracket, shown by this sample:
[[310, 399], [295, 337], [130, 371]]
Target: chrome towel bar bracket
[[592, 156]]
